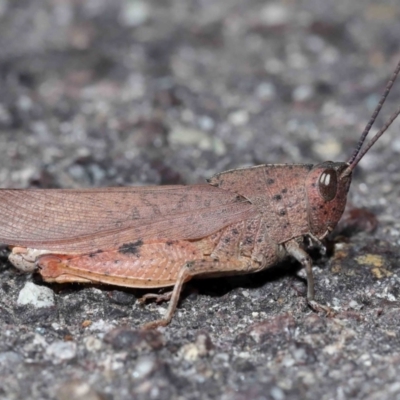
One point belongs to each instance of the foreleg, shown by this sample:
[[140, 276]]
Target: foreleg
[[294, 249]]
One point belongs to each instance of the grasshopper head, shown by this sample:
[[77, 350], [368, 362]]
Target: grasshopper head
[[326, 188], [327, 183]]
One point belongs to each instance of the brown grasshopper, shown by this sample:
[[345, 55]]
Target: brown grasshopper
[[242, 221]]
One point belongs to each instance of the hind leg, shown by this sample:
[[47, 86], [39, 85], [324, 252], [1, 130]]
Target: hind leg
[[197, 268]]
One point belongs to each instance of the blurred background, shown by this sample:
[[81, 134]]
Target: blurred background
[[101, 92]]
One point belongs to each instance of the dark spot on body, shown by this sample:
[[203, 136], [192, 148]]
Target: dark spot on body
[[282, 212], [235, 231], [313, 184], [239, 198], [131, 248], [169, 242], [277, 197], [284, 191], [270, 181], [95, 253], [227, 240]]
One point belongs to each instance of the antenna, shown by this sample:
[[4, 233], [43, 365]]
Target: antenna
[[358, 154]]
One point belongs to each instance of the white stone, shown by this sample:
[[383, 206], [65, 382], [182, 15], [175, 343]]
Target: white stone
[[37, 296], [61, 351], [240, 117], [143, 367]]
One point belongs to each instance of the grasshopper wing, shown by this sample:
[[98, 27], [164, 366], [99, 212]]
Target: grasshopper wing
[[80, 221]]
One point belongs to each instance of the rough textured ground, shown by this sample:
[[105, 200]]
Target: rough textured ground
[[101, 93]]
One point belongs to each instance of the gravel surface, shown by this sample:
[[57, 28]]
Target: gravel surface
[[102, 93]]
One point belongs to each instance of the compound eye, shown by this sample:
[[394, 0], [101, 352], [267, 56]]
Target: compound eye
[[327, 184]]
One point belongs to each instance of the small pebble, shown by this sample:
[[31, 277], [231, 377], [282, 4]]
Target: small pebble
[[277, 393], [206, 123], [266, 91], [190, 352], [101, 326], [134, 13], [37, 296], [144, 367], [240, 117], [61, 351], [275, 14], [303, 93], [92, 344], [330, 149], [200, 348]]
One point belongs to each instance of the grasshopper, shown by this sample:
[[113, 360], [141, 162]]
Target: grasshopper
[[241, 221]]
